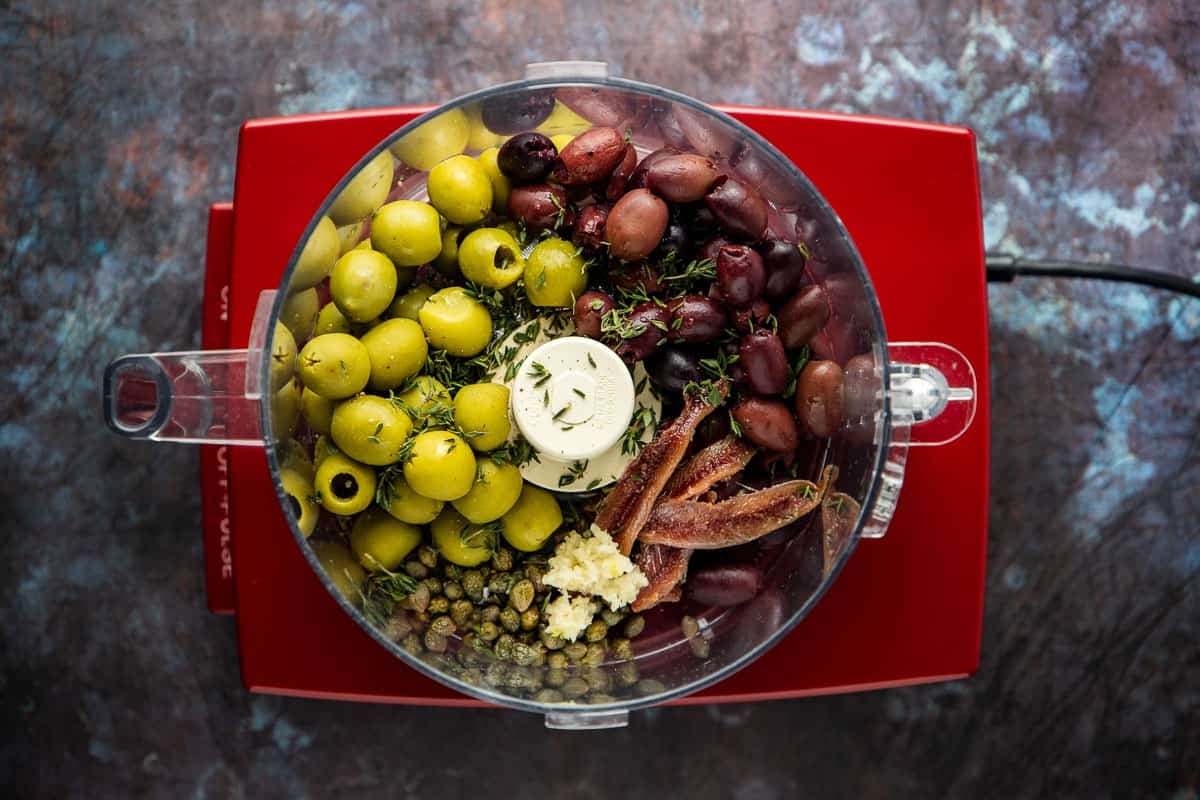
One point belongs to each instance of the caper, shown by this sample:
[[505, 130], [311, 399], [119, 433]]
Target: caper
[[427, 556], [443, 625], [434, 583], [490, 614], [610, 617], [415, 569], [472, 676], [496, 672], [534, 573], [472, 584], [521, 677], [523, 654], [649, 686], [634, 626], [621, 648], [627, 674], [600, 698], [549, 696], [398, 627], [530, 618], [575, 652], [504, 646], [419, 599], [596, 631], [412, 644], [594, 656], [520, 596], [510, 620], [439, 605], [597, 679], [488, 631], [553, 642], [691, 630], [460, 612], [453, 571], [452, 589], [539, 654], [575, 687], [556, 676], [502, 559]]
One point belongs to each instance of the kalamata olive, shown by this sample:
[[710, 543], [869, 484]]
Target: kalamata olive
[[711, 247], [802, 316], [509, 114], [527, 157], [637, 178], [590, 157], [638, 276], [768, 423], [620, 175], [740, 210], [590, 308], [819, 398], [860, 397], [643, 329], [724, 584], [751, 318], [714, 428], [540, 206], [702, 134], [740, 274], [701, 222], [696, 318], [635, 225], [784, 263], [676, 240], [598, 106], [681, 178], [589, 226], [673, 367], [762, 357]]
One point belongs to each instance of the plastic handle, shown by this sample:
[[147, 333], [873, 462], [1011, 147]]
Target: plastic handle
[[196, 397], [933, 395], [566, 69]]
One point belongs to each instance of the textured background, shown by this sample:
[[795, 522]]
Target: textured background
[[118, 126]]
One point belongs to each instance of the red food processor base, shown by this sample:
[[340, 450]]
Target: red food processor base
[[906, 609]]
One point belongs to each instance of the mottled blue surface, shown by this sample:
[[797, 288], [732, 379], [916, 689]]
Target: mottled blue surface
[[118, 126]]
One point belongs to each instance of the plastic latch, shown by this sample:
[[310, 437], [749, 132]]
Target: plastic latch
[[566, 69], [586, 720]]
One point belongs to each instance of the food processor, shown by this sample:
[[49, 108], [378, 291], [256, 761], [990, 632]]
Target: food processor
[[889, 212]]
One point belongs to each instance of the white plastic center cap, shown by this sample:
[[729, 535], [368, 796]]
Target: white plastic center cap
[[572, 398]]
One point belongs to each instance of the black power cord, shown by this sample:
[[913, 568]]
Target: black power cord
[[1003, 268]]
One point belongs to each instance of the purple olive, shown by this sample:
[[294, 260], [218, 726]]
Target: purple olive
[[673, 368], [676, 240], [711, 248], [714, 428], [802, 316], [751, 318], [696, 318], [620, 176], [637, 178], [724, 584], [768, 423], [540, 206], [590, 309], [784, 263], [682, 178], [589, 226], [635, 225], [527, 157], [740, 274], [740, 210], [762, 357], [644, 328], [819, 398], [590, 157], [509, 114]]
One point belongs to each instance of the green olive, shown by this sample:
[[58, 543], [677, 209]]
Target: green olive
[[478, 135], [316, 410], [530, 522], [349, 236], [397, 350], [556, 274], [447, 260], [300, 492], [408, 506], [460, 190], [382, 541], [483, 408], [501, 185], [459, 541], [334, 365], [363, 283], [408, 232], [496, 489], [340, 567], [323, 449], [365, 192], [425, 395], [345, 486], [491, 257], [285, 410], [332, 320], [299, 312], [562, 121], [370, 429], [408, 305], [440, 466], [456, 322], [283, 356], [441, 137], [317, 257]]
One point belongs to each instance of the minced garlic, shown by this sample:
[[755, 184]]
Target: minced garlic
[[595, 566], [567, 617]]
